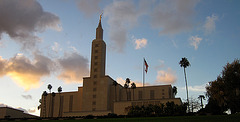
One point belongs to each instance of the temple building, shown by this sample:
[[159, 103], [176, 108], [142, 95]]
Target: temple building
[[8, 113], [98, 95]]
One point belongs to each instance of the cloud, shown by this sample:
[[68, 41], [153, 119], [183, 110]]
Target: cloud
[[32, 110], [197, 88], [74, 67], [200, 88], [22, 109], [19, 108], [56, 47], [195, 41], [3, 64], [25, 72], [166, 77], [140, 43], [21, 19], [89, 7], [74, 49], [122, 16], [173, 17], [121, 81], [1, 44], [210, 25], [161, 65], [3, 105], [174, 44], [27, 97]]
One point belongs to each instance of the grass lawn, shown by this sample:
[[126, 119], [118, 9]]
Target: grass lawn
[[217, 118]]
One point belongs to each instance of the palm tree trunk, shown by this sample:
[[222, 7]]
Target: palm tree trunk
[[201, 102], [186, 89]]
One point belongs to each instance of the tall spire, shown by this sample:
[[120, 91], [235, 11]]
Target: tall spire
[[99, 30]]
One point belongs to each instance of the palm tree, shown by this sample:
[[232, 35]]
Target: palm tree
[[201, 97], [60, 102], [44, 104], [126, 87], [128, 82], [133, 86], [115, 85], [49, 87], [174, 90], [40, 106], [185, 63]]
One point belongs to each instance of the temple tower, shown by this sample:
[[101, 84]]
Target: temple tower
[[98, 55], [96, 88]]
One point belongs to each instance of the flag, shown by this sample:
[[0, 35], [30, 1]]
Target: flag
[[146, 66]]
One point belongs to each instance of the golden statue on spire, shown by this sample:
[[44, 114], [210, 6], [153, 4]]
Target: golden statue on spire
[[100, 16]]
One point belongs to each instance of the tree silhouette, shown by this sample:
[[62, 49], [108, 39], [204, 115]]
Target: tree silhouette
[[225, 89], [185, 63], [133, 86], [115, 85], [201, 97], [127, 86], [60, 100], [49, 88], [174, 90], [40, 101]]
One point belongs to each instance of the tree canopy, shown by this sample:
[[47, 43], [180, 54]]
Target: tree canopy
[[225, 89], [184, 62]]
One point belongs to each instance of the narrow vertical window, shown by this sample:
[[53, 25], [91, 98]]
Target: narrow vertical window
[[71, 103], [140, 95], [152, 94]]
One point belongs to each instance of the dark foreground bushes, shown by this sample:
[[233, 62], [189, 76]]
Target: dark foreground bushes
[[170, 109]]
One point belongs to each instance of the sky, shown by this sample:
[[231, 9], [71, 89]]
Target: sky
[[49, 42]]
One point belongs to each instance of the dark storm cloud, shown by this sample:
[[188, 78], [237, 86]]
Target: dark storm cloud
[[74, 67], [20, 19], [173, 17], [122, 16], [89, 7], [25, 72], [3, 64], [27, 97]]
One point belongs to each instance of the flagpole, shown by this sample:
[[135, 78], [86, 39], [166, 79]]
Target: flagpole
[[143, 72], [143, 77]]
